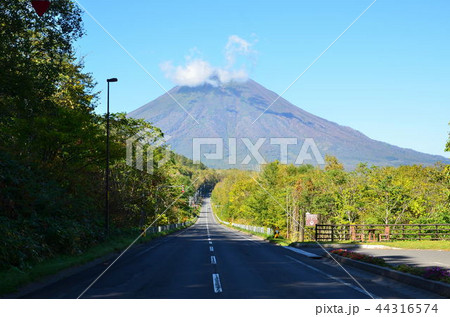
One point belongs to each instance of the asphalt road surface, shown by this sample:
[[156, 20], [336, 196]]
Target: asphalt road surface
[[208, 260], [423, 258]]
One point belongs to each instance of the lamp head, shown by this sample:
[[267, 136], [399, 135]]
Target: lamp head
[[112, 80]]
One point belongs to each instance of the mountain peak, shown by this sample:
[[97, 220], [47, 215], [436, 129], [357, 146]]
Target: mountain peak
[[228, 111], [216, 85]]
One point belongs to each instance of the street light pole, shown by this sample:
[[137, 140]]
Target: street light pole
[[110, 80]]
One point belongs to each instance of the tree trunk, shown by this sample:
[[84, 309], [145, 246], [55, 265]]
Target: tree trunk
[[302, 226], [295, 223]]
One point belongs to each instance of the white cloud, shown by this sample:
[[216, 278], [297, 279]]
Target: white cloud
[[236, 46], [198, 72], [195, 73], [226, 76]]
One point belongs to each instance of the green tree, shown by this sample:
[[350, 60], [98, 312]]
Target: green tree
[[52, 149], [332, 163], [447, 146]]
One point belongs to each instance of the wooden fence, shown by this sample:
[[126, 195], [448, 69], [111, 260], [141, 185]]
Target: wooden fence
[[379, 232]]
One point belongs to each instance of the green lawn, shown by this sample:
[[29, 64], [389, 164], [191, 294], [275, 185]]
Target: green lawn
[[12, 279], [419, 245]]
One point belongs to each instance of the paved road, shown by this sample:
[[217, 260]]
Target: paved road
[[208, 260], [421, 258]]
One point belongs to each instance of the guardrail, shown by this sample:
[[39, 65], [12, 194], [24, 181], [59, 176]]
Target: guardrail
[[172, 226], [255, 229]]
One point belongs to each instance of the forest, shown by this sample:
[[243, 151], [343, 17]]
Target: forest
[[281, 195], [52, 148]]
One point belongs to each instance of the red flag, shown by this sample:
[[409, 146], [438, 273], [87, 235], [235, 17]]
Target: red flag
[[40, 6]]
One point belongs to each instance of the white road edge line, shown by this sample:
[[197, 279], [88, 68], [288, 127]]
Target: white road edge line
[[211, 249], [216, 283], [356, 288], [239, 234], [213, 259]]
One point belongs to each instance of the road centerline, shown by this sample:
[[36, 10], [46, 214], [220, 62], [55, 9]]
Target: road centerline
[[216, 283]]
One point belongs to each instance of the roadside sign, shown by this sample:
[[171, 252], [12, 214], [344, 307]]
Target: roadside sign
[[312, 219]]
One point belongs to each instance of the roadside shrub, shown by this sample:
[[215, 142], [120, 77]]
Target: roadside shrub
[[436, 273], [25, 242], [405, 268], [39, 218], [432, 273], [359, 257]]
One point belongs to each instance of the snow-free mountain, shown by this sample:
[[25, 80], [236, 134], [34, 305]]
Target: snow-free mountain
[[228, 111]]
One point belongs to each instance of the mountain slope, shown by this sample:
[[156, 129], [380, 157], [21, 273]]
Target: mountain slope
[[228, 112]]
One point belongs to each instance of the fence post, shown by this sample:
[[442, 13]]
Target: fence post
[[352, 233], [420, 232]]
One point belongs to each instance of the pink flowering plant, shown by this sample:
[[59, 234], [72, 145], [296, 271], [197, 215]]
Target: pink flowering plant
[[359, 257], [436, 273]]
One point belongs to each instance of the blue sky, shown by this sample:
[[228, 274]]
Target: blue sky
[[388, 76]]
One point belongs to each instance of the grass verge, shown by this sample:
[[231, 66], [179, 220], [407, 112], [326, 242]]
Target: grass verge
[[418, 245], [414, 245], [12, 279]]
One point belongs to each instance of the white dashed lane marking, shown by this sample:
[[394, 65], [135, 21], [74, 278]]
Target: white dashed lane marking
[[216, 282], [215, 277]]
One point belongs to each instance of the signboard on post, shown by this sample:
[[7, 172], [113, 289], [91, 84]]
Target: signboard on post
[[312, 219]]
